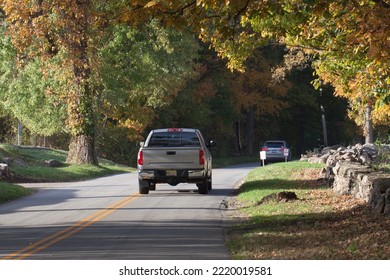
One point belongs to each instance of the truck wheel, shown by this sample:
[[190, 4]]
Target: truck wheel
[[203, 187], [143, 186], [152, 187]]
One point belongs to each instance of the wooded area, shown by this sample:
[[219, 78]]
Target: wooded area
[[96, 75]]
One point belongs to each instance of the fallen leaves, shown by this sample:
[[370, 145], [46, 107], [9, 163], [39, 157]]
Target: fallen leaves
[[338, 227]]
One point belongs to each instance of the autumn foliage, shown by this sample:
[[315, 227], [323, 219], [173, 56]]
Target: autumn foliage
[[348, 39], [346, 43]]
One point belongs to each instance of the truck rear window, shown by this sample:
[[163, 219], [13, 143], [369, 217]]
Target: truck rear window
[[174, 139]]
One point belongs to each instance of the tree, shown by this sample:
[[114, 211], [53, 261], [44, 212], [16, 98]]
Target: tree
[[348, 39], [142, 70], [140, 73], [71, 39], [24, 92], [205, 102], [351, 52], [255, 91], [62, 29]]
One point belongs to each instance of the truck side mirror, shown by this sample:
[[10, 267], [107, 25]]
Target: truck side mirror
[[140, 144], [211, 144]]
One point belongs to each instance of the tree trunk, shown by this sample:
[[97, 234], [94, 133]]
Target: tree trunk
[[237, 130], [82, 150], [81, 121], [249, 130], [368, 129], [300, 131], [81, 117]]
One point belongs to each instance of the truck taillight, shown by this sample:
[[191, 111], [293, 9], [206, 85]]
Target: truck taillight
[[140, 159], [201, 157]]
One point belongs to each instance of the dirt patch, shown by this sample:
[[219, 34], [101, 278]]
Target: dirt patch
[[279, 197]]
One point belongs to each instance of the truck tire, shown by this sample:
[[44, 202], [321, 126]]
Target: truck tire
[[152, 186], [203, 187], [143, 186]]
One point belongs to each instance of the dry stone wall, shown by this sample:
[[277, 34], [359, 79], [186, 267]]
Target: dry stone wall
[[4, 171], [350, 170]]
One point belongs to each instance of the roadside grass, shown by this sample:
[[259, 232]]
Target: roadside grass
[[221, 161], [27, 164], [318, 225], [65, 173], [10, 192]]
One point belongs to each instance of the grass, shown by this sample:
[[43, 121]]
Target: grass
[[27, 164], [64, 174], [221, 161], [10, 192], [318, 225]]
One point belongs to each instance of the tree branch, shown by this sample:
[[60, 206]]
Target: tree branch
[[383, 3], [180, 10], [239, 12]]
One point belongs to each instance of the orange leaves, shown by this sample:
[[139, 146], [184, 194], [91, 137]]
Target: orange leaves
[[29, 23], [150, 4], [204, 90], [252, 90], [17, 10], [18, 13], [255, 88], [133, 125]]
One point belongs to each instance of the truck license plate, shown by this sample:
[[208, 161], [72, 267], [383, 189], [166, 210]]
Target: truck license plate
[[171, 172]]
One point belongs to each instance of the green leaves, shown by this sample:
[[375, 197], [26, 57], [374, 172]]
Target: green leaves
[[23, 92], [142, 68]]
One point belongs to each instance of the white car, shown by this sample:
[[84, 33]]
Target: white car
[[276, 150]]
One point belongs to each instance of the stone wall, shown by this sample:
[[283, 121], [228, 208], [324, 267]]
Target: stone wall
[[5, 173], [351, 171]]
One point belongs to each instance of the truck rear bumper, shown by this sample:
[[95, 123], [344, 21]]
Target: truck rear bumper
[[165, 176], [196, 173], [146, 175]]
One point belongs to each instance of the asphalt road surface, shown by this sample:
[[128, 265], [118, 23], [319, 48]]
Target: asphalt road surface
[[107, 218]]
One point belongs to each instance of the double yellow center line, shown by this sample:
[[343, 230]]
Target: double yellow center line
[[66, 232]]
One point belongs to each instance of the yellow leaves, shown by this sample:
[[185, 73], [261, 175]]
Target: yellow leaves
[[132, 124], [214, 5], [381, 115], [150, 4]]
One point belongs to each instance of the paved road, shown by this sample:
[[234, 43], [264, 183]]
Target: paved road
[[106, 218]]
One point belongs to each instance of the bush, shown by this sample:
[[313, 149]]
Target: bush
[[113, 143]]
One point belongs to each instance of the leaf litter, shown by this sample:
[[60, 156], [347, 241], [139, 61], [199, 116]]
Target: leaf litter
[[338, 227]]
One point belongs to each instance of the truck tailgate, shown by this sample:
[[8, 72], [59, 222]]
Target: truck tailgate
[[171, 158]]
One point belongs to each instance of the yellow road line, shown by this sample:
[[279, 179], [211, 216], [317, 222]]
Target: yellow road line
[[65, 233]]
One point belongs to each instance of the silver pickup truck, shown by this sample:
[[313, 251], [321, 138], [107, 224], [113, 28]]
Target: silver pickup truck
[[173, 156]]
